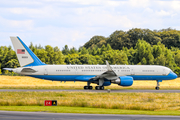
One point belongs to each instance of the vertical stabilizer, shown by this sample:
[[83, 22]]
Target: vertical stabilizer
[[25, 56]]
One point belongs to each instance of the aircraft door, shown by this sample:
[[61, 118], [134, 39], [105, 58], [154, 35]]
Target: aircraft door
[[164, 72], [76, 71], [45, 71], [132, 72]]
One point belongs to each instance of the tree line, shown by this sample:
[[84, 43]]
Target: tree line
[[119, 39], [142, 53]]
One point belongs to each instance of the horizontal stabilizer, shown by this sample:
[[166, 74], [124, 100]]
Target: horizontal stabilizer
[[9, 69]]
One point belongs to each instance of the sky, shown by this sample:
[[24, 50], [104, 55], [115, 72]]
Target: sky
[[74, 22]]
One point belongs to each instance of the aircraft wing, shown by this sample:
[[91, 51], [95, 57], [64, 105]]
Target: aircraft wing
[[109, 74]]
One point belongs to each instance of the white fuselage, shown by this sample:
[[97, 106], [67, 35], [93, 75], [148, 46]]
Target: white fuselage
[[138, 72]]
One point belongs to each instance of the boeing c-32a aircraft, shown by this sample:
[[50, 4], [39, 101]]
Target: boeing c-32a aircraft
[[102, 75]]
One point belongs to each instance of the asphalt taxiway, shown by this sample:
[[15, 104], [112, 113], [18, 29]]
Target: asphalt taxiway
[[114, 91], [14, 115]]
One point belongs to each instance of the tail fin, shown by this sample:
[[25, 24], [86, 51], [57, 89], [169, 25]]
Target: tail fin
[[25, 56]]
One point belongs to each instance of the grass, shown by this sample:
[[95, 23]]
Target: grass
[[65, 109], [24, 82], [87, 102], [126, 101]]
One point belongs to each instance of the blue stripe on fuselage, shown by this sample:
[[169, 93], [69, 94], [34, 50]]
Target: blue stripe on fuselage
[[62, 77], [170, 76]]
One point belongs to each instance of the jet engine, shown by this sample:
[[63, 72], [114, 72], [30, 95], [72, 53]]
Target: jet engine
[[106, 83], [123, 81]]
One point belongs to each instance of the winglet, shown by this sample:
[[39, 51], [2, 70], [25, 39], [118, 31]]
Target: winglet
[[108, 66]]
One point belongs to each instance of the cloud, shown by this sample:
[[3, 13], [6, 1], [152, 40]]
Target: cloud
[[175, 5], [16, 25], [139, 3], [163, 13], [41, 12], [74, 22]]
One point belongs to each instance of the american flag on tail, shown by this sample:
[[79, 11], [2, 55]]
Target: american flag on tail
[[20, 51]]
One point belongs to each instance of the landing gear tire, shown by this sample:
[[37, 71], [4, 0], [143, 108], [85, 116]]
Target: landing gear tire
[[97, 87], [157, 88], [102, 88], [85, 87], [88, 87]]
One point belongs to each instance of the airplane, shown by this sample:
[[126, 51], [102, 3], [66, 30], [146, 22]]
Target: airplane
[[102, 75]]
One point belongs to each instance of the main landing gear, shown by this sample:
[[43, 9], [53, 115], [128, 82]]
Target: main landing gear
[[100, 87], [157, 87], [97, 87], [88, 87]]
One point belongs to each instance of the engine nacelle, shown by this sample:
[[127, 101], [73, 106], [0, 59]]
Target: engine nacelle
[[106, 83], [123, 81]]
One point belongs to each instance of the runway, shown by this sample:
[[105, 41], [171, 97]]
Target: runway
[[13, 115], [98, 91]]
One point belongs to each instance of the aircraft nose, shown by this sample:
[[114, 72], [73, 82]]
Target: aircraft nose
[[173, 75]]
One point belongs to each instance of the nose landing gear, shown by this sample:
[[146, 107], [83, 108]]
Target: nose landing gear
[[157, 87]]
